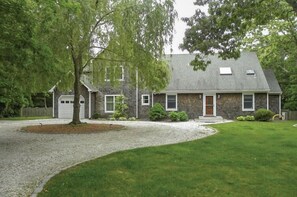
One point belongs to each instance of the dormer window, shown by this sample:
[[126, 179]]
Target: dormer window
[[250, 72], [118, 73], [225, 71]]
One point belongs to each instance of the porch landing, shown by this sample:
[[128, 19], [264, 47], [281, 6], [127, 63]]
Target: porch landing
[[210, 119]]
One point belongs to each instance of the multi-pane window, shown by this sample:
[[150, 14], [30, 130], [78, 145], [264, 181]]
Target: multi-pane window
[[248, 102], [171, 102], [110, 101], [145, 99], [117, 72]]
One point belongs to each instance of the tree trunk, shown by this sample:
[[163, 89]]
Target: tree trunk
[[76, 104]]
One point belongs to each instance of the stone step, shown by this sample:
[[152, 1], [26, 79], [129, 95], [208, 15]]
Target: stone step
[[210, 119]]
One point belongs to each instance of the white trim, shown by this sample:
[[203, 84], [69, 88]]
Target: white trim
[[176, 107], [90, 99], [113, 95], [152, 99], [242, 100], [142, 99], [267, 102], [280, 104], [82, 113], [214, 104], [54, 104]]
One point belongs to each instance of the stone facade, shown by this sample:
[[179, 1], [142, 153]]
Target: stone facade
[[260, 101], [191, 103], [274, 103], [229, 106]]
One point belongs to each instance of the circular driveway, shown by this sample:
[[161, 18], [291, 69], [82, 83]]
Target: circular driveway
[[26, 159]]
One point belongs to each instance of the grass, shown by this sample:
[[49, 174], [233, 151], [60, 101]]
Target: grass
[[27, 118], [243, 159]]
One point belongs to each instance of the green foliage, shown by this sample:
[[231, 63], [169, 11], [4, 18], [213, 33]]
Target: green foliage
[[132, 119], [183, 116], [96, 116], [120, 107], [240, 118], [263, 115], [157, 112], [95, 35], [112, 119], [122, 118], [250, 118], [174, 116], [178, 116]]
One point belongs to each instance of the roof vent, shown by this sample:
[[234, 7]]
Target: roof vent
[[250, 72], [225, 71]]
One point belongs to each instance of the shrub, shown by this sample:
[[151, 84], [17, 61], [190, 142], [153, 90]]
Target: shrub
[[240, 118], [122, 118], [112, 119], [157, 112], [183, 116], [250, 118], [132, 119], [96, 116], [263, 115], [174, 116], [120, 107]]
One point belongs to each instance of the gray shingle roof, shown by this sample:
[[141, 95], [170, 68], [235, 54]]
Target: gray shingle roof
[[185, 79], [272, 81]]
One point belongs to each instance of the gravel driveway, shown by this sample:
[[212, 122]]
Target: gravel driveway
[[26, 158]]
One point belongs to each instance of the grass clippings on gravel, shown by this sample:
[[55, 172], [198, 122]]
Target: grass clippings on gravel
[[72, 129]]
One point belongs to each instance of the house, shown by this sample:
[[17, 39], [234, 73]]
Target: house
[[227, 88]]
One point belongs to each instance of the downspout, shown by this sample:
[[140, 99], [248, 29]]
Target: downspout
[[267, 101], [90, 104], [152, 99], [280, 104], [136, 92], [54, 104]]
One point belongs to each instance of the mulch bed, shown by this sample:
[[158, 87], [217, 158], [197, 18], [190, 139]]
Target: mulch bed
[[72, 129]]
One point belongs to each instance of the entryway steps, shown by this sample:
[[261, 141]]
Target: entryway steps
[[210, 119]]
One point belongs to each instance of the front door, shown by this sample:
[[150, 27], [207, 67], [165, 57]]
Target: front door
[[209, 105]]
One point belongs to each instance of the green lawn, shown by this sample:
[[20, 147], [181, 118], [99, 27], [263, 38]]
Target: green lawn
[[243, 159], [27, 118]]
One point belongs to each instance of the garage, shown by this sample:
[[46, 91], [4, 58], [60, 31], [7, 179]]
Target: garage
[[66, 106]]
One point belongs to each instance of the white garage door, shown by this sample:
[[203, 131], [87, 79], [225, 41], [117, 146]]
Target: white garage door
[[66, 106]]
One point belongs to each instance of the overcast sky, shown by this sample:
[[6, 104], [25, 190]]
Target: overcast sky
[[185, 8]]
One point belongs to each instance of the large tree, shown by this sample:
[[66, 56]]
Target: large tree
[[25, 63], [268, 27], [93, 34]]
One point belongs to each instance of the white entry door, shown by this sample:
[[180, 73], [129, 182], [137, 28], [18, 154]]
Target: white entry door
[[65, 107]]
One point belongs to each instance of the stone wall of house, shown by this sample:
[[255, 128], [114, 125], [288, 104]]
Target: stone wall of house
[[143, 110], [229, 106], [260, 101], [191, 103], [160, 98], [84, 93], [274, 103]]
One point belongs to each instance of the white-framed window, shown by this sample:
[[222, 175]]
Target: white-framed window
[[109, 103], [248, 102], [118, 73], [171, 102], [145, 99]]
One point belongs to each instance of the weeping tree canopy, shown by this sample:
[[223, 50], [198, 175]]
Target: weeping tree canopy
[[268, 27], [26, 65], [93, 34]]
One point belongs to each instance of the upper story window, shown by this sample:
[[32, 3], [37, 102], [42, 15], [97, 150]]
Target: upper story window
[[250, 72], [225, 71], [145, 99], [248, 102], [171, 102], [117, 72]]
